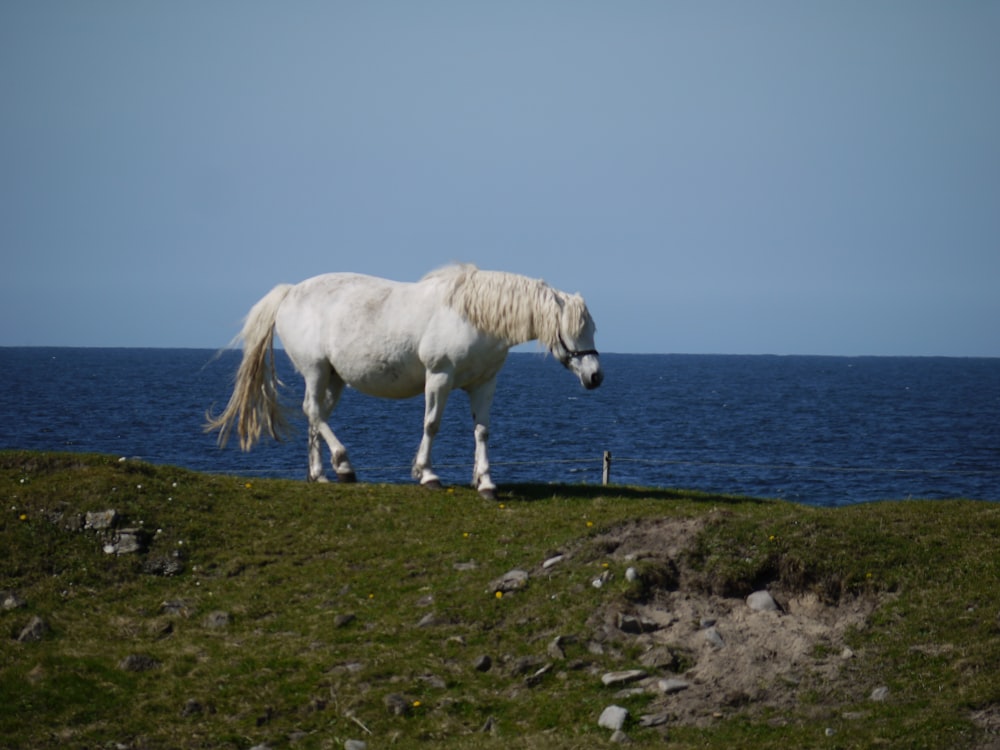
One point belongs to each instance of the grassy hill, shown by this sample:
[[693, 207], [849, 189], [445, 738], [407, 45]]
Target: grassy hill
[[282, 614]]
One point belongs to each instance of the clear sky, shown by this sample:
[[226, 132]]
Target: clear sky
[[728, 177]]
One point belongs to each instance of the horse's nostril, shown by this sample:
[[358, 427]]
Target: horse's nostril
[[596, 379]]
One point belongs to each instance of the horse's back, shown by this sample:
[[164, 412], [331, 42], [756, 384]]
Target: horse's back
[[368, 329]]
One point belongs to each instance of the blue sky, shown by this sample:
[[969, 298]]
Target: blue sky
[[731, 177]]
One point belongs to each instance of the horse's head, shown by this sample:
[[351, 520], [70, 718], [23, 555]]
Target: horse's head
[[574, 345]]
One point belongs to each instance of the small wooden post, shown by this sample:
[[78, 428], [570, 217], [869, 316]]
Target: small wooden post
[[606, 476]]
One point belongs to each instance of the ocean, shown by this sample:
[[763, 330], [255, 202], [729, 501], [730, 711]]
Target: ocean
[[824, 431]]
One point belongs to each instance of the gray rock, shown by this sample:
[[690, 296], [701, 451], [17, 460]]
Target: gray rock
[[879, 694], [355, 745], [613, 718], [762, 601], [713, 638], [510, 581], [552, 561], [9, 600], [34, 631], [397, 705], [654, 720], [100, 520], [482, 663], [555, 648], [138, 663], [636, 625], [343, 620], [620, 678], [619, 737], [672, 685], [131, 541], [217, 619]]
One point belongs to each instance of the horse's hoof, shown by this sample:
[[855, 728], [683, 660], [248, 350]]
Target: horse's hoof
[[347, 477], [434, 484], [321, 479], [490, 493]]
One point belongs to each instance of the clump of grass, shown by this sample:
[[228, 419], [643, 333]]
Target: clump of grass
[[339, 597]]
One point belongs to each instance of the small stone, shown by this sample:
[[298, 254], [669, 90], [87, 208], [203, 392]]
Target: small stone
[[138, 663], [552, 561], [654, 720], [762, 601], [100, 520], [343, 620], [510, 581], [619, 737], [672, 685], [9, 600], [879, 694], [397, 704], [713, 638], [355, 745], [613, 718], [555, 649], [34, 631], [622, 677], [482, 663], [636, 625], [217, 619], [631, 574], [847, 653], [192, 708]]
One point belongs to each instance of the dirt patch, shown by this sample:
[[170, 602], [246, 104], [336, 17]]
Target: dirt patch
[[710, 656]]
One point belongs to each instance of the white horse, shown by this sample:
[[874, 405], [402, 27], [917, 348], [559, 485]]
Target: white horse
[[452, 329]]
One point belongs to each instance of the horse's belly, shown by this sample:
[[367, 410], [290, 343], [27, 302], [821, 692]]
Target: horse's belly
[[384, 378]]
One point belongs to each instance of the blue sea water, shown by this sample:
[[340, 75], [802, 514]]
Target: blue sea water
[[817, 430]]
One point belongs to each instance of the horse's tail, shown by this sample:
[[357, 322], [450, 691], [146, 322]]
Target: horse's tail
[[254, 405]]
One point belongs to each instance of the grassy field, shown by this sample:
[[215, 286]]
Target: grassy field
[[282, 614]]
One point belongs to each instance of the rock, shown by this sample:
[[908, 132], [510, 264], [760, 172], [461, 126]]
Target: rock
[[535, 678], [175, 608], [555, 648], [429, 620], [762, 601], [713, 638], [620, 678], [355, 745], [9, 600], [131, 541], [619, 737], [672, 685], [631, 574], [654, 720], [464, 566], [34, 631], [166, 566], [510, 581], [847, 653], [552, 561], [636, 625], [879, 694], [397, 705], [217, 619], [100, 520], [613, 718], [482, 663], [192, 708], [138, 663], [342, 621]]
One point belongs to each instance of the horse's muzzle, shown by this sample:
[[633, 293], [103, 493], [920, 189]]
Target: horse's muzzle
[[594, 379]]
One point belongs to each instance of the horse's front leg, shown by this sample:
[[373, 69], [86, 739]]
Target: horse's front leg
[[480, 399], [436, 390]]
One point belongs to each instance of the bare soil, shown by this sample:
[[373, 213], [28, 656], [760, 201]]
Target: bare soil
[[733, 659]]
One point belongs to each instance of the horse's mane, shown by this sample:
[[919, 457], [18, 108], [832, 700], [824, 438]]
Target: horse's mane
[[509, 306]]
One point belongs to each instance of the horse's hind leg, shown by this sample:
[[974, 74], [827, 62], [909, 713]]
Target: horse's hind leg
[[323, 389]]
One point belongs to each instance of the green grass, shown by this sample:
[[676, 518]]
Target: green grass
[[288, 561]]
